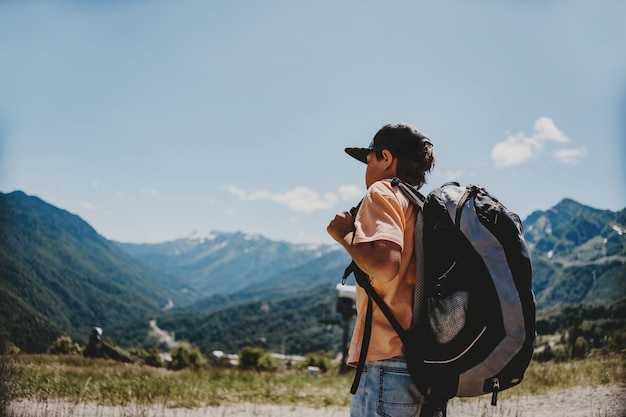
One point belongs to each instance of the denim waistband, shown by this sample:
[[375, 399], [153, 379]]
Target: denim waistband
[[396, 359]]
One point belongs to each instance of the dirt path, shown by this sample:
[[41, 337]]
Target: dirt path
[[602, 401]]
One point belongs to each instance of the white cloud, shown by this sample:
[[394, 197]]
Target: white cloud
[[299, 199], [349, 192], [236, 191], [514, 150], [519, 148], [94, 184], [86, 205], [570, 156], [545, 129]]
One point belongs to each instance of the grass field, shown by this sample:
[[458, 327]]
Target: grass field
[[75, 379], [78, 379]]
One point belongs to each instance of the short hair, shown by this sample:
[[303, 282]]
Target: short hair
[[413, 170]]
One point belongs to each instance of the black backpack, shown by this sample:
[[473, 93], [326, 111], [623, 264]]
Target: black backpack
[[475, 329]]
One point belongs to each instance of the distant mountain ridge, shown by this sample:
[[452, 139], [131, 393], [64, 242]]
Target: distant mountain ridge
[[567, 235], [224, 263], [570, 224], [578, 254], [58, 275], [325, 269]]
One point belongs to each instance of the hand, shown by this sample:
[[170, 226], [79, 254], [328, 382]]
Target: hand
[[340, 226]]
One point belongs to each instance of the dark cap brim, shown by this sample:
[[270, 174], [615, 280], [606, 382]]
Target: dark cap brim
[[359, 153]]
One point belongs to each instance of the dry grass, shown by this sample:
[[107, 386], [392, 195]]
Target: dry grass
[[72, 385], [106, 382]]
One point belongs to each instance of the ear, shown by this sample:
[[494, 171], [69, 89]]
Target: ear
[[388, 159]]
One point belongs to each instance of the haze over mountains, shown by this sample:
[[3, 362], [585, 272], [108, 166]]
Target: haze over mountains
[[224, 262], [223, 290]]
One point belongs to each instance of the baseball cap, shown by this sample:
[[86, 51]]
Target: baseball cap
[[401, 139]]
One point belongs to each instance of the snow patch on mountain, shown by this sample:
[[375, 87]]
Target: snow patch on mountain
[[202, 237]]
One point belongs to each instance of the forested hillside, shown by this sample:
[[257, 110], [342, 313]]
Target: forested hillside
[[225, 290], [578, 254], [225, 263], [58, 275]]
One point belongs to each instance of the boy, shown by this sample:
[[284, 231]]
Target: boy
[[380, 241]]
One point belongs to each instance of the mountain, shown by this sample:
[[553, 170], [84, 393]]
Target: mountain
[[224, 263], [290, 325], [23, 325], [58, 275], [573, 233], [578, 254], [570, 245], [282, 309], [326, 269]]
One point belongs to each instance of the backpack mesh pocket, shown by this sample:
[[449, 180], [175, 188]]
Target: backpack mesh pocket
[[447, 315]]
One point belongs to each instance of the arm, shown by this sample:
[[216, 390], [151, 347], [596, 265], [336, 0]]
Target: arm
[[379, 259]]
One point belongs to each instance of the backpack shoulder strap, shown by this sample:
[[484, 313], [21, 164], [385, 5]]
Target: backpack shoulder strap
[[469, 191], [363, 280], [410, 192]]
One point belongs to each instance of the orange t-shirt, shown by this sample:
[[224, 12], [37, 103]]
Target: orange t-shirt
[[385, 214]]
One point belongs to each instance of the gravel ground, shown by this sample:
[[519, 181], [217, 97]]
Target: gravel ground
[[602, 401]]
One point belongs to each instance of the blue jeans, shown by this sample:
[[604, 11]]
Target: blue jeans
[[386, 389]]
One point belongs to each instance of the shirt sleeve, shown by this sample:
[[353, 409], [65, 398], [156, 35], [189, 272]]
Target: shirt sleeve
[[380, 216]]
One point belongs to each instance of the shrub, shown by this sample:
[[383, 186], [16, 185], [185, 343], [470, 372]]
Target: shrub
[[6, 346], [219, 360], [256, 358], [64, 345], [544, 353], [320, 359], [184, 356], [267, 363], [151, 357], [249, 357], [580, 348]]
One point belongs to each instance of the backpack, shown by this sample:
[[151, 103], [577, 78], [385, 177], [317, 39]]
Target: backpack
[[474, 327]]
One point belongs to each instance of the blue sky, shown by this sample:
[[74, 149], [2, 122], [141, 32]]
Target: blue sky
[[154, 119]]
